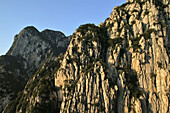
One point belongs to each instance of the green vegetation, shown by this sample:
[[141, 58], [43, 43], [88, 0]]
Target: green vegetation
[[122, 6], [148, 32], [160, 4], [11, 108], [73, 59], [146, 12], [146, 35], [132, 83], [85, 28], [133, 22], [139, 2], [160, 22], [169, 51], [113, 42], [41, 85], [138, 17], [75, 48], [152, 75], [70, 85], [159, 64], [91, 33], [135, 43]]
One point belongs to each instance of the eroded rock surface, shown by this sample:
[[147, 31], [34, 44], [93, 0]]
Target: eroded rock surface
[[29, 51], [35, 46], [120, 66]]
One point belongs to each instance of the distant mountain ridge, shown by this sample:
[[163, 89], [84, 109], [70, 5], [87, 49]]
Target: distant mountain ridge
[[28, 52], [35, 46], [120, 66]]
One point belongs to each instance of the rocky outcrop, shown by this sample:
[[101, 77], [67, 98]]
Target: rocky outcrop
[[40, 94], [130, 74], [12, 79], [29, 51], [120, 66], [35, 46], [145, 27], [82, 72]]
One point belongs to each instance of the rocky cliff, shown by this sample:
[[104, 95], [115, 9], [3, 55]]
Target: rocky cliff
[[39, 95], [29, 51], [120, 66], [35, 46], [12, 79]]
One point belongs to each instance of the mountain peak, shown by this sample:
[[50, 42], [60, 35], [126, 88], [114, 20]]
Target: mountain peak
[[28, 31], [120, 66], [51, 33], [30, 28]]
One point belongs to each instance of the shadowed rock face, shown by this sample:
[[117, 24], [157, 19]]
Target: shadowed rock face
[[35, 46], [13, 78], [120, 66], [28, 52], [40, 93]]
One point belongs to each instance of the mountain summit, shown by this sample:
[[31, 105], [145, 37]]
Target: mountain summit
[[120, 66], [28, 52]]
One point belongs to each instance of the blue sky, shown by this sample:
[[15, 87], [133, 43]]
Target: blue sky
[[59, 15]]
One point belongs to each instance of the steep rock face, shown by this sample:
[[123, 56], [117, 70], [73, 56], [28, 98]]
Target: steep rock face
[[90, 80], [35, 46], [136, 75], [29, 51], [82, 72], [120, 66], [12, 79], [145, 27], [40, 94]]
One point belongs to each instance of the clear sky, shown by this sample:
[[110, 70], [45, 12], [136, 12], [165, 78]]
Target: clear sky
[[59, 15]]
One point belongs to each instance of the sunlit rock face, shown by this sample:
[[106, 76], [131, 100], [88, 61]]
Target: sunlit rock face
[[125, 70], [120, 66]]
